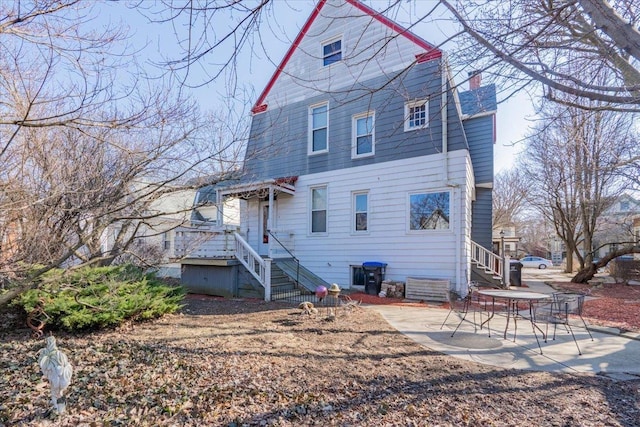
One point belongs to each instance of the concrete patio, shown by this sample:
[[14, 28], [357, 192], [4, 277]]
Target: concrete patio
[[610, 353]]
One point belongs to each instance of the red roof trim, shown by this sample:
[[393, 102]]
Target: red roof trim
[[428, 56], [259, 103], [259, 109], [432, 51], [395, 27]]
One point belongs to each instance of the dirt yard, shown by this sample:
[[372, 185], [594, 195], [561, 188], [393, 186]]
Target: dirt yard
[[250, 363]]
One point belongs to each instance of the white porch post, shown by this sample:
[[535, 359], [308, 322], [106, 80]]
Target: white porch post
[[267, 279], [506, 268], [219, 210]]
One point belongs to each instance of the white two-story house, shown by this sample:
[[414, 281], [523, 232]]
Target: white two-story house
[[361, 149]]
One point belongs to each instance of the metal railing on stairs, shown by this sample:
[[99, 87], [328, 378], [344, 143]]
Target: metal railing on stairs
[[259, 267], [293, 257]]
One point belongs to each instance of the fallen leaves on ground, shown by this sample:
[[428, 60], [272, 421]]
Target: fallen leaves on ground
[[251, 363]]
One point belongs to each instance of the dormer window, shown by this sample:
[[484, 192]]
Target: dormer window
[[331, 52]]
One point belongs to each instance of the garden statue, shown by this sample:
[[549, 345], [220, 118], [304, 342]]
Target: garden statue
[[56, 367]]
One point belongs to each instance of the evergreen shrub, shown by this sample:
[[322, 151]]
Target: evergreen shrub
[[99, 297]]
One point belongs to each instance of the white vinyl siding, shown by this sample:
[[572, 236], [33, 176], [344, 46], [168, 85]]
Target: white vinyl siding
[[416, 115], [363, 140], [408, 254], [318, 128]]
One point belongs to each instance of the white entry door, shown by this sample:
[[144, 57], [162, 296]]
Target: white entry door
[[263, 246]]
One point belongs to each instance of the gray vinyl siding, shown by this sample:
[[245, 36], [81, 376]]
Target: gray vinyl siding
[[481, 223], [279, 137], [479, 132]]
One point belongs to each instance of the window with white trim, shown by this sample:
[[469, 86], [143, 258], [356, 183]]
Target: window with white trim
[[319, 210], [318, 128], [363, 143], [415, 115], [331, 52], [429, 211], [360, 211]]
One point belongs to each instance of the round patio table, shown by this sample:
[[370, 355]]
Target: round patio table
[[512, 298]]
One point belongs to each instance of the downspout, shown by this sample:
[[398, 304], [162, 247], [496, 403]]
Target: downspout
[[444, 120], [457, 198], [270, 218]]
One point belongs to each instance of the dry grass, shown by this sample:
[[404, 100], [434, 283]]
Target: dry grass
[[236, 363]]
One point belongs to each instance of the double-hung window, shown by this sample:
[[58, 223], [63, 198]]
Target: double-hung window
[[360, 211], [363, 143], [331, 52], [318, 128], [319, 210], [429, 211], [415, 115]]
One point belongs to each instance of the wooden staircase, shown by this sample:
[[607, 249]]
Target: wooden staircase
[[486, 267]]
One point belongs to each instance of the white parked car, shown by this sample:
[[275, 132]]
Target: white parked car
[[535, 262]]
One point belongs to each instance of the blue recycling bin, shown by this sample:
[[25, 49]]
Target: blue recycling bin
[[374, 272]]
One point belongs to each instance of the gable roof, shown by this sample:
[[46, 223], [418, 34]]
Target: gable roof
[[431, 52]]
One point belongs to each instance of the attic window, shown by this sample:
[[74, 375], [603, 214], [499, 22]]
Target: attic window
[[415, 115], [331, 52]]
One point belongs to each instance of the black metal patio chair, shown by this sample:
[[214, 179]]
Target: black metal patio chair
[[558, 312], [462, 305]]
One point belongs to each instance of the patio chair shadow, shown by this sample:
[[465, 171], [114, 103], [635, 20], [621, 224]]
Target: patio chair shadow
[[466, 340]]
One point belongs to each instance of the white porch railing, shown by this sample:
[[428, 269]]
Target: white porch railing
[[489, 261], [258, 267], [204, 242]]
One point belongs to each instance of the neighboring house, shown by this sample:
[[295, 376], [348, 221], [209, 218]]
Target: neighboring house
[[505, 240], [361, 149], [175, 223], [616, 225]]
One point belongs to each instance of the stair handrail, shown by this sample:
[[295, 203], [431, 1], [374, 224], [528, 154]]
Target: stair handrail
[[290, 254], [259, 267], [488, 260]]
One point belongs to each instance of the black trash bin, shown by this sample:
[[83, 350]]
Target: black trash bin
[[515, 272], [373, 276]]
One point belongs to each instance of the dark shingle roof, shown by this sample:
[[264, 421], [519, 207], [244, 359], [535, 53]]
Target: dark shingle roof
[[481, 100]]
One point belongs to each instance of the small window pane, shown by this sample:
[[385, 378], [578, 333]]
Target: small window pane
[[365, 125], [365, 144], [320, 139], [319, 198], [319, 222], [429, 211], [320, 117], [361, 213]]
